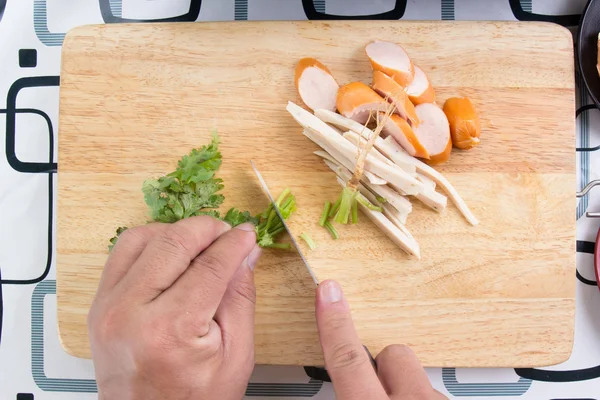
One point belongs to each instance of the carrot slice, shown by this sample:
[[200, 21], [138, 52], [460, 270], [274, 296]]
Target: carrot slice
[[390, 89], [315, 84], [392, 60]]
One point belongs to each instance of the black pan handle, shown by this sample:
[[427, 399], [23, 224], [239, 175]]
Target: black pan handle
[[320, 374]]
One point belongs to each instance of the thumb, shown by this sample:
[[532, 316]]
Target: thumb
[[347, 363], [235, 314]]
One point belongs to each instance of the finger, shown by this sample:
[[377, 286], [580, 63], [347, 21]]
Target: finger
[[346, 360], [168, 255], [402, 374], [126, 251], [235, 314], [199, 290]]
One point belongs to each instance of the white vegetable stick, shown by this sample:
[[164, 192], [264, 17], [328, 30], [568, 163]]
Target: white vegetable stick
[[440, 179], [394, 215], [401, 203], [390, 148], [430, 198], [326, 156], [358, 140], [398, 177], [426, 180], [404, 160], [405, 243], [339, 158], [433, 199], [397, 219]]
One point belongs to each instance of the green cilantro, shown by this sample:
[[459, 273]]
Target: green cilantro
[[113, 240], [193, 190]]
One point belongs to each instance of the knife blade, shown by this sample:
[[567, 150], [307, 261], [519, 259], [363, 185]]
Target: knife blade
[[313, 372], [287, 229]]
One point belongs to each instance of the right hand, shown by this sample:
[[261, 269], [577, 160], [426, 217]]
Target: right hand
[[399, 375]]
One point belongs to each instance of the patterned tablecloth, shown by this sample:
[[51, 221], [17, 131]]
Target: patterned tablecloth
[[32, 362]]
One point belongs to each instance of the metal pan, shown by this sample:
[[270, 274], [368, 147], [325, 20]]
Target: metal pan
[[587, 49]]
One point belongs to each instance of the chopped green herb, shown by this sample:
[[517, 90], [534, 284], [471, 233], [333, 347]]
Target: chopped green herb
[[113, 240], [192, 190], [334, 208], [363, 200], [355, 212], [346, 200], [325, 213], [331, 230], [381, 199], [311, 243], [269, 224]]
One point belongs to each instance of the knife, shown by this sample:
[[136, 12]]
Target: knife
[[313, 372], [287, 229]]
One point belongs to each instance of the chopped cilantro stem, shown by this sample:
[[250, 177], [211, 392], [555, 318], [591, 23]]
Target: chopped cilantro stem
[[325, 213], [311, 243], [347, 198], [362, 200], [277, 231], [282, 196], [354, 212], [332, 230], [381, 199], [284, 246], [334, 208]]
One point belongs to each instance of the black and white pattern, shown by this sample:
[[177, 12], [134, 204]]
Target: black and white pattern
[[32, 362]]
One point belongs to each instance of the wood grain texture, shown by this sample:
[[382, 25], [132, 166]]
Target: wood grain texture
[[135, 98]]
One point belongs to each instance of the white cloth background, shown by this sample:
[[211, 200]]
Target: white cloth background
[[32, 362]]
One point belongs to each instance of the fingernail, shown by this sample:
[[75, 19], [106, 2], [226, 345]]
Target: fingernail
[[248, 227], [331, 291], [253, 257], [224, 227]]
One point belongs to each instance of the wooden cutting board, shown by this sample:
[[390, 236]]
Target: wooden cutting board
[[135, 98]]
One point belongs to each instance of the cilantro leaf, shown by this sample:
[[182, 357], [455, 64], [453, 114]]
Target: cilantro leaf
[[235, 217], [200, 165], [188, 190], [114, 239], [192, 190]]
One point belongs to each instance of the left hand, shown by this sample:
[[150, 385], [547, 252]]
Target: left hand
[[173, 317]]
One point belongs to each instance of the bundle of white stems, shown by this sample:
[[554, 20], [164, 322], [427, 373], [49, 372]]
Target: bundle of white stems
[[389, 177]]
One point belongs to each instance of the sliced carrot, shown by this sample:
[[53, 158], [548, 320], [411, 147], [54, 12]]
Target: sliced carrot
[[315, 84], [358, 102], [394, 93], [399, 129], [420, 90], [392, 60]]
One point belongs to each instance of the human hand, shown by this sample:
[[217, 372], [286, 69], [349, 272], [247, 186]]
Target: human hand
[[399, 375], [173, 317]]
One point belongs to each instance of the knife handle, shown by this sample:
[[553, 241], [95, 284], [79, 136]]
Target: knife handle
[[321, 374]]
